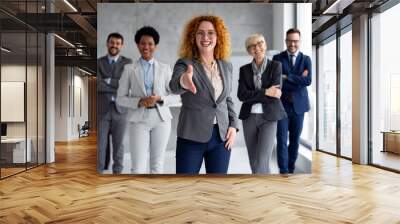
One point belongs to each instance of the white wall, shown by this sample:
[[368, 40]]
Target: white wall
[[169, 20], [17, 73], [80, 84], [33, 126], [70, 83], [61, 103], [285, 19], [304, 24]]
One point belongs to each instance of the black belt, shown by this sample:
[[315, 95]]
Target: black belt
[[151, 107]]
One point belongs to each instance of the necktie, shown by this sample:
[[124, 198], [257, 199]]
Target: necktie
[[112, 61], [292, 60]]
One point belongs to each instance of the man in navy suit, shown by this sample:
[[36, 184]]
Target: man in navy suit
[[296, 76]]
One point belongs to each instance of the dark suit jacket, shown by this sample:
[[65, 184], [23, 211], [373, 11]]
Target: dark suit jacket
[[198, 110], [104, 90], [247, 93], [296, 84]]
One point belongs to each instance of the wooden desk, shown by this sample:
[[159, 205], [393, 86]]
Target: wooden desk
[[391, 141], [13, 150]]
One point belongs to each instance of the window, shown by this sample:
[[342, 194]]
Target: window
[[327, 97], [346, 94], [385, 88], [23, 76]]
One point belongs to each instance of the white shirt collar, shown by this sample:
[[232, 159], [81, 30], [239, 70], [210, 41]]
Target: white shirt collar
[[115, 58], [151, 61], [295, 54]]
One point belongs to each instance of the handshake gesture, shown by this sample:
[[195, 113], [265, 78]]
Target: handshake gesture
[[149, 101], [186, 80]]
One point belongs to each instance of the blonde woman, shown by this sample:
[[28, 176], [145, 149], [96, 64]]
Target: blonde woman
[[259, 90]]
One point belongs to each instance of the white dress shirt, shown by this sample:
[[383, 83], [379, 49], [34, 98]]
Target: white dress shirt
[[295, 56], [257, 108]]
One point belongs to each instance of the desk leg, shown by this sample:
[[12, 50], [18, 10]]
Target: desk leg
[[384, 142]]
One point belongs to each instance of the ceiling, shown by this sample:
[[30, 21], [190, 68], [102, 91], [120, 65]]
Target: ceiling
[[76, 22]]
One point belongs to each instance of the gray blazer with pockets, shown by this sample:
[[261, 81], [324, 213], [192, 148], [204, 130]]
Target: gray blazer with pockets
[[198, 110]]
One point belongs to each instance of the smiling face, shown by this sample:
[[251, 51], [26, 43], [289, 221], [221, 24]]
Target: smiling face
[[114, 46], [293, 42], [206, 37], [257, 48], [147, 47]]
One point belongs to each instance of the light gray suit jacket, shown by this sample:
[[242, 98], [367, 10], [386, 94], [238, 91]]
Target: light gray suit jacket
[[131, 90], [196, 118]]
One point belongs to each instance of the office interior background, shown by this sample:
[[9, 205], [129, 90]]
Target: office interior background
[[48, 91], [48, 72]]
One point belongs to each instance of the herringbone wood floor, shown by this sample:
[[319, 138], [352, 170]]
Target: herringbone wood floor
[[70, 191]]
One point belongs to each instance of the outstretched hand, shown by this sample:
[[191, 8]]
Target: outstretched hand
[[186, 80]]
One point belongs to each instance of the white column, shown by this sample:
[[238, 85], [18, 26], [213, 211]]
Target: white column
[[282, 23], [360, 90], [304, 24], [50, 92], [50, 99]]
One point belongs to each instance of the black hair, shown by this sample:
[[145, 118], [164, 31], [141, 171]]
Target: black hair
[[293, 30], [147, 31], [115, 35]]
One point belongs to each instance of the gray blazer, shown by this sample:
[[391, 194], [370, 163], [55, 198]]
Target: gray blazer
[[131, 89], [198, 110], [106, 91]]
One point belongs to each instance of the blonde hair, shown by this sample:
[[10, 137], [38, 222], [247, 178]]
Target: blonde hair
[[253, 37], [188, 47]]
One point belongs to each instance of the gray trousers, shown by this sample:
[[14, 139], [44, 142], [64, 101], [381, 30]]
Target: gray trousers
[[259, 135], [114, 124], [148, 142]]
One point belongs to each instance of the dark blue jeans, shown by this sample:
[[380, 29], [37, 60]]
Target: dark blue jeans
[[190, 155], [293, 125]]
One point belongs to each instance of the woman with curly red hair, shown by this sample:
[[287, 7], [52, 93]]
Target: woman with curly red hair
[[207, 122]]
